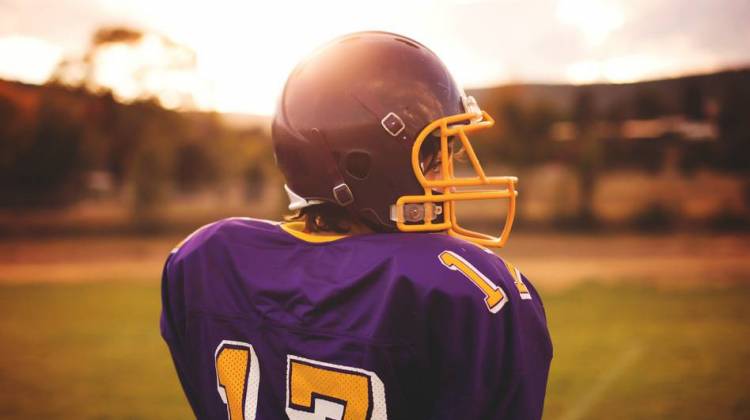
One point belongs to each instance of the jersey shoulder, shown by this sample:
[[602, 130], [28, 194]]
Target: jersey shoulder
[[220, 230], [432, 250], [458, 269]]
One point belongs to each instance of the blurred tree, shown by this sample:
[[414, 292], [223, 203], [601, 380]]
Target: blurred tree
[[512, 146], [617, 112], [150, 73], [10, 138], [81, 71], [526, 132], [255, 181], [151, 172], [734, 124], [693, 100], [194, 168], [590, 153], [584, 109], [46, 162], [53, 137], [648, 104], [540, 120]]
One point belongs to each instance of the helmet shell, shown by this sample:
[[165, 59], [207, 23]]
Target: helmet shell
[[350, 113]]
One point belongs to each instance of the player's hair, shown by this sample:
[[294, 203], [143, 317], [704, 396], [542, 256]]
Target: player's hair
[[324, 217]]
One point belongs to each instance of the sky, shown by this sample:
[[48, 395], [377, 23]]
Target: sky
[[245, 49]]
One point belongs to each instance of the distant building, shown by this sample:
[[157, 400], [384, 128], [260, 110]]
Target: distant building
[[671, 125], [100, 182], [563, 131], [677, 126]]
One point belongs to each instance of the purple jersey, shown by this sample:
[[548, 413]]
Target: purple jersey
[[266, 322]]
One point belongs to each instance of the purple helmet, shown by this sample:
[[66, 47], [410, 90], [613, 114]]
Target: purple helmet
[[350, 123]]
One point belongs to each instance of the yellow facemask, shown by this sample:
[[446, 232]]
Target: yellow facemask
[[499, 187]]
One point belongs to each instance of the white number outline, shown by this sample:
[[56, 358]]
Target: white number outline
[[252, 382]]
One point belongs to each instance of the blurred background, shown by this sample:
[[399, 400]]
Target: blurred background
[[124, 126]]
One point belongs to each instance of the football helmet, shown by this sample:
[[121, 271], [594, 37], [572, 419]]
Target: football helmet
[[350, 125]]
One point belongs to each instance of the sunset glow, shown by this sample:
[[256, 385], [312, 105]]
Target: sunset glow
[[245, 50], [596, 19], [32, 60]]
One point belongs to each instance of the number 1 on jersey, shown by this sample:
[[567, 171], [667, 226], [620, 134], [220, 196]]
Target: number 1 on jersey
[[237, 378], [494, 297]]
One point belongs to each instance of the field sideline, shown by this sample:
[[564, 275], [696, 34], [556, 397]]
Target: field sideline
[[551, 261]]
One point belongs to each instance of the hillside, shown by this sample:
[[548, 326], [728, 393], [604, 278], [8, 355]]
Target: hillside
[[671, 94]]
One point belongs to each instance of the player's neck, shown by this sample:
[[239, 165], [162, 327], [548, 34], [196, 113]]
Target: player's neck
[[359, 229]]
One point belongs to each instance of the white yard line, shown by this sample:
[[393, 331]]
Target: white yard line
[[589, 399]]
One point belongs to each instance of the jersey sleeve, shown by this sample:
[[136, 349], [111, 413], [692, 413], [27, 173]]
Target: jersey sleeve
[[173, 320], [172, 325], [489, 355]]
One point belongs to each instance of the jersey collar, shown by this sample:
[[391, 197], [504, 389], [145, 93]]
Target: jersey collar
[[297, 229]]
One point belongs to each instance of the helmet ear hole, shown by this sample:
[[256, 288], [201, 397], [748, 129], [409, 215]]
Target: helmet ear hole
[[357, 164]]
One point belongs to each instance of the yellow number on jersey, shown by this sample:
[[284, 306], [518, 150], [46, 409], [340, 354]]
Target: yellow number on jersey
[[237, 378], [315, 390], [318, 390], [494, 297], [518, 280]]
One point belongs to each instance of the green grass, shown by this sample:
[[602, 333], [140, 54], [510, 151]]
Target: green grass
[[635, 352], [621, 352], [85, 351]]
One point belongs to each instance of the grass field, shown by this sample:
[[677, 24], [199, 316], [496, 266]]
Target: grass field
[[623, 349]]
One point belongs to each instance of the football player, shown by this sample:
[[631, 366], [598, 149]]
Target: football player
[[373, 302]]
